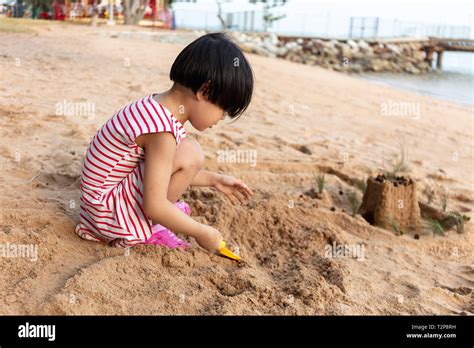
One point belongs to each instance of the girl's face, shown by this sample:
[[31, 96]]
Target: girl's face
[[204, 114]]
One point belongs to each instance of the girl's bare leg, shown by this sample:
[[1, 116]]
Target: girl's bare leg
[[188, 161]]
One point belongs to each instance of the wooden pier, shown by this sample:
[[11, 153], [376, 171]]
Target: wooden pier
[[439, 45], [434, 44]]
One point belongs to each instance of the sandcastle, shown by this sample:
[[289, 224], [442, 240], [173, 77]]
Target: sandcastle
[[391, 202]]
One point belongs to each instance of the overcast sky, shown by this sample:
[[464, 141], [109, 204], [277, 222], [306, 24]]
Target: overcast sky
[[447, 12], [332, 18], [455, 12]]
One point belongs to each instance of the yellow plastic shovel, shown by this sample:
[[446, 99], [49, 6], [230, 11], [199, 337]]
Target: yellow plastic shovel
[[227, 253]]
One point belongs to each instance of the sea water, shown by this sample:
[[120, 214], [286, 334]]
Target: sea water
[[455, 81]]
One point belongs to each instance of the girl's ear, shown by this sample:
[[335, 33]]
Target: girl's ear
[[199, 95], [202, 92]]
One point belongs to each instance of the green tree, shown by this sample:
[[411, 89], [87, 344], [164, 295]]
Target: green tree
[[269, 17]]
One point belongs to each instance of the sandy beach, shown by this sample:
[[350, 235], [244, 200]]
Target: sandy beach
[[303, 121]]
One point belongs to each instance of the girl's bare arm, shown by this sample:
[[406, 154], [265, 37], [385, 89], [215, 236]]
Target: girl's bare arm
[[205, 178], [160, 149], [234, 189]]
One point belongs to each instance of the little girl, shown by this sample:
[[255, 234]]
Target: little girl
[[141, 161]]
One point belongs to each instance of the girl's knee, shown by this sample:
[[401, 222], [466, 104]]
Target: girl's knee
[[190, 155]]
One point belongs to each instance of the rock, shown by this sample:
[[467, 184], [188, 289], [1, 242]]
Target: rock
[[379, 65], [363, 45], [304, 149], [272, 49], [311, 60], [411, 69], [344, 50], [282, 52], [393, 49], [353, 45], [318, 44], [292, 46], [272, 38], [330, 51], [332, 43], [356, 68], [257, 40], [254, 48], [379, 48], [295, 58], [345, 56], [419, 55]]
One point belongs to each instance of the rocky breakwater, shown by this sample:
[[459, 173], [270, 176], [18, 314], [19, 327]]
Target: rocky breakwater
[[340, 55]]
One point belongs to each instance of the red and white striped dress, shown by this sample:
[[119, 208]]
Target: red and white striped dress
[[112, 174]]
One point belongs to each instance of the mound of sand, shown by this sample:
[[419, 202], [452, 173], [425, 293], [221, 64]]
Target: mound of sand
[[312, 121]]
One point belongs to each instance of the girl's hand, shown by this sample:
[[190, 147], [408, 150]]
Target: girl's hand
[[209, 238], [234, 189]]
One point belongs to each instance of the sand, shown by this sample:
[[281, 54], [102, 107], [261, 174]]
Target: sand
[[303, 121]]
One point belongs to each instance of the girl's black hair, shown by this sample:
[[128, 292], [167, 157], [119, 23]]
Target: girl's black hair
[[216, 64]]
